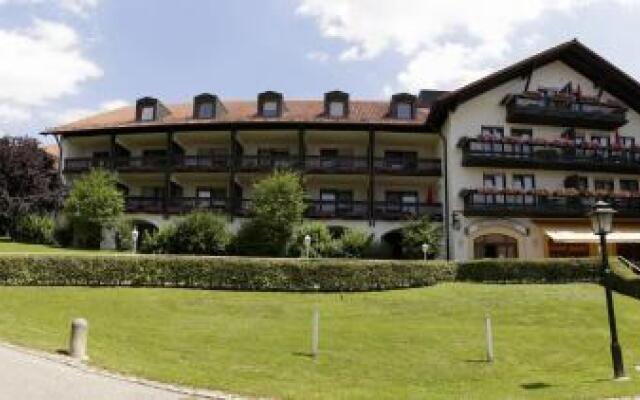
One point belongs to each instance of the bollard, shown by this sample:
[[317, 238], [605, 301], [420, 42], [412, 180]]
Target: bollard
[[489, 337], [78, 341], [315, 332]]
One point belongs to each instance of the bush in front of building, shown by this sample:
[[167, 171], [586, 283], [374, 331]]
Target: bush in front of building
[[553, 270], [34, 228], [322, 243], [354, 243], [232, 273], [199, 233], [418, 232]]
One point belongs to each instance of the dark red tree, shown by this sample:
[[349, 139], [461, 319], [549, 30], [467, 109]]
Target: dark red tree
[[29, 180]]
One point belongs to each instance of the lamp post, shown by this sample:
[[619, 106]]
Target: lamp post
[[134, 239], [425, 250], [307, 245], [601, 220]]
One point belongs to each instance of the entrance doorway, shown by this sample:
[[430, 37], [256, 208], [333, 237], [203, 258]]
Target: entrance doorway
[[495, 246]]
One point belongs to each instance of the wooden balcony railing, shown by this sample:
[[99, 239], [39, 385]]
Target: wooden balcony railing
[[180, 205], [547, 205], [563, 110], [79, 164], [337, 209], [212, 163], [558, 154], [408, 166], [388, 210], [336, 164], [142, 204], [141, 163], [266, 163]]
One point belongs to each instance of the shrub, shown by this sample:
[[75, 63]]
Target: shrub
[[322, 244], [198, 233], [124, 237], [354, 243], [277, 206], [33, 228], [233, 273], [418, 232], [63, 234], [529, 271]]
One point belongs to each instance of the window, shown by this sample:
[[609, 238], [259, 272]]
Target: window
[[601, 141], [627, 142], [404, 202], [496, 131], [603, 185], [526, 183], [270, 108], [582, 183], [205, 110], [495, 181], [495, 246], [628, 185], [148, 113], [332, 201], [328, 158], [404, 111], [208, 197], [524, 135], [400, 160], [336, 109], [275, 158]]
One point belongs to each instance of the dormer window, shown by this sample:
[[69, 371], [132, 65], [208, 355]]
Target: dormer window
[[403, 106], [148, 113], [336, 104], [149, 109], [270, 104], [207, 106]]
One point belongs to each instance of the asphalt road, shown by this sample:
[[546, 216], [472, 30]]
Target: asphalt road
[[29, 376]]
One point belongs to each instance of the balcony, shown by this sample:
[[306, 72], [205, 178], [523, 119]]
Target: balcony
[[387, 210], [181, 205], [337, 209], [266, 163], [141, 163], [559, 154], [211, 163], [142, 204], [563, 110], [566, 203], [336, 165], [81, 164], [408, 166]]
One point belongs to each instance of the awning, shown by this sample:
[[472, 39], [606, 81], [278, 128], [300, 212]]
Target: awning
[[585, 235]]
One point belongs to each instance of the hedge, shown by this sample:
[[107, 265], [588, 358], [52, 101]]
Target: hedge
[[222, 272], [288, 274], [624, 281], [563, 270]]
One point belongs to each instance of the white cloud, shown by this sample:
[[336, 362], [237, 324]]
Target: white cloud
[[75, 114], [445, 43], [78, 7], [39, 64]]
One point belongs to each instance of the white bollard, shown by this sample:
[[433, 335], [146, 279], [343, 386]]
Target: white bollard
[[315, 332], [78, 341], [489, 337]]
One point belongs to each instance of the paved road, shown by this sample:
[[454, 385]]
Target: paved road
[[32, 376]]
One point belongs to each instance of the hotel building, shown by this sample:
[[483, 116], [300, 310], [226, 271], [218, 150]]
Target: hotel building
[[510, 164]]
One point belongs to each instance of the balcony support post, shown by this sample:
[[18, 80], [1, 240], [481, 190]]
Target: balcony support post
[[231, 165], [371, 159], [167, 175], [302, 149], [112, 151]]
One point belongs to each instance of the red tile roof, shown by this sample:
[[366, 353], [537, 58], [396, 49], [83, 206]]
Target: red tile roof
[[296, 111]]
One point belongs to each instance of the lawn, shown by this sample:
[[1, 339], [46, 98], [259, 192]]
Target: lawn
[[551, 341], [9, 246]]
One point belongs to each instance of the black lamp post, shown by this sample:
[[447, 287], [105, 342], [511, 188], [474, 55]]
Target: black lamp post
[[601, 219]]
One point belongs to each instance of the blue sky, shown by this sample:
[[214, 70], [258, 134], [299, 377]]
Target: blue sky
[[64, 59]]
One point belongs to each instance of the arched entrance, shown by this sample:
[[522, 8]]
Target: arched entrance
[[495, 245], [393, 243]]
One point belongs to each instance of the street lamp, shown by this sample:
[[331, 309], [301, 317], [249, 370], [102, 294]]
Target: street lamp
[[601, 220], [134, 238], [425, 249], [307, 244]]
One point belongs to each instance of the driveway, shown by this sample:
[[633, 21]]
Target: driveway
[[30, 375]]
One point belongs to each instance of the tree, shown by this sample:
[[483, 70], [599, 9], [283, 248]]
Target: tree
[[29, 181], [94, 204], [278, 207], [418, 232]]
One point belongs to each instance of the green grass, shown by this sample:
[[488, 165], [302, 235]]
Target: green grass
[[551, 341], [8, 246]]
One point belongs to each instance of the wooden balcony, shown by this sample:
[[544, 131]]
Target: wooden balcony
[[141, 163], [266, 163], [408, 166], [337, 209], [211, 163], [81, 164], [181, 205], [552, 155], [336, 165], [533, 205], [563, 110], [142, 204], [386, 210]]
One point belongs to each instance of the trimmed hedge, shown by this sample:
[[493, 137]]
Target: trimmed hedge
[[222, 272], [623, 280], [530, 271], [289, 274]]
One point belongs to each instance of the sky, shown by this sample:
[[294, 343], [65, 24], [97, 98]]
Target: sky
[[62, 60]]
